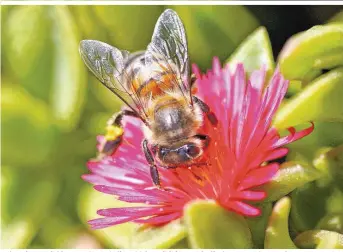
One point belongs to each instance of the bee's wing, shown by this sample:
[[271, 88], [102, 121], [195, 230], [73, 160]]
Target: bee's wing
[[169, 41], [108, 64]]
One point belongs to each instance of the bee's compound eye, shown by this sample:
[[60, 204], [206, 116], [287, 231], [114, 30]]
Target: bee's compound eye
[[192, 150]]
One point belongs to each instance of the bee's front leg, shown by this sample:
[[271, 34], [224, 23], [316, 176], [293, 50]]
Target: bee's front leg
[[206, 109], [114, 133], [153, 168]]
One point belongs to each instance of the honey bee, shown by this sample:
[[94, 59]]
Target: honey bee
[[156, 85]]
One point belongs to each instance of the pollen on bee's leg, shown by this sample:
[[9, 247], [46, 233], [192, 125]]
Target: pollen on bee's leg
[[113, 132]]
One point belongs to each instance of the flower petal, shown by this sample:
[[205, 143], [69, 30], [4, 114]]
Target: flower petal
[[259, 176]]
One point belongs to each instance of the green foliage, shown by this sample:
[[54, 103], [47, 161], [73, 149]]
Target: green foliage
[[312, 103], [320, 239], [217, 229], [320, 47], [290, 176], [277, 233], [52, 110], [258, 224], [212, 30], [254, 52]]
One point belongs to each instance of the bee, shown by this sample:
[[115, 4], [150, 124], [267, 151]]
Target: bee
[[156, 85]]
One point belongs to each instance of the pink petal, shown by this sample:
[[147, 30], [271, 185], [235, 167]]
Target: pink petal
[[249, 195], [259, 176], [294, 135], [160, 219], [243, 208]]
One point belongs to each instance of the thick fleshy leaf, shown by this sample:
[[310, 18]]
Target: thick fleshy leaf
[[210, 226], [321, 100], [324, 134], [60, 232], [88, 23], [69, 72], [337, 18], [320, 47], [254, 52], [334, 203], [320, 239], [122, 28], [127, 235], [212, 30], [29, 199], [308, 206], [258, 225], [183, 244], [330, 161], [27, 128], [277, 233], [26, 44], [331, 222], [290, 176]]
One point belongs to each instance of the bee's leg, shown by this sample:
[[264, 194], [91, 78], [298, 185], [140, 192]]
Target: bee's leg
[[193, 79], [206, 109], [114, 132], [153, 168], [116, 119]]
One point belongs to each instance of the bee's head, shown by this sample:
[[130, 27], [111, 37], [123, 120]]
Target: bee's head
[[183, 153]]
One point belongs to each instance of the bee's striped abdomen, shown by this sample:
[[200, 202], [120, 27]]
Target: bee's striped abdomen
[[150, 80]]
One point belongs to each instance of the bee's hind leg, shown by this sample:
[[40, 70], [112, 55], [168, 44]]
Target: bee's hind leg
[[206, 109], [116, 119], [114, 132], [193, 80], [153, 168]]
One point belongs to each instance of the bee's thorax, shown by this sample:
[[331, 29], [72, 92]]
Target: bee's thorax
[[173, 120]]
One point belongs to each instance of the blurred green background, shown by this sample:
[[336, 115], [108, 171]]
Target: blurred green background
[[53, 108]]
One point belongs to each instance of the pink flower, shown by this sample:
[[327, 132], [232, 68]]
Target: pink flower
[[237, 157]]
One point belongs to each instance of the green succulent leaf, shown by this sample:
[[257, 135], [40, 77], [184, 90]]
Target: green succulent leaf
[[258, 225], [29, 199], [334, 203], [320, 47], [69, 72], [324, 134], [212, 30], [27, 128], [308, 205], [183, 244], [331, 222], [210, 226], [277, 233], [290, 176], [337, 18], [321, 100], [88, 23], [58, 231], [254, 52], [122, 28], [127, 235], [320, 239], [27, 48], [330, 161]]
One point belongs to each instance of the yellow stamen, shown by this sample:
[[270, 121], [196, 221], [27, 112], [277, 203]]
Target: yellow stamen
[[113, 132]]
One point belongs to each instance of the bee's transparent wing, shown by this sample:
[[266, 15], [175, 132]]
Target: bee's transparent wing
[[108, 64], [169, 42]]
